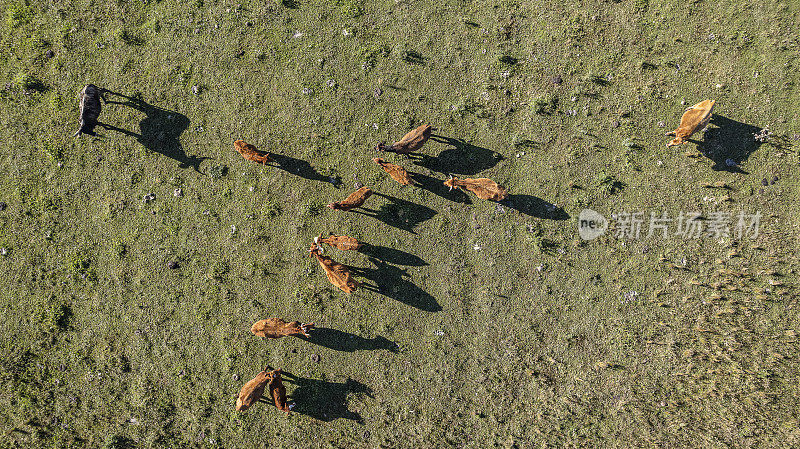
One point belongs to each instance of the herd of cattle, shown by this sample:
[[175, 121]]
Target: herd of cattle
[[693, 120], [339, 274]]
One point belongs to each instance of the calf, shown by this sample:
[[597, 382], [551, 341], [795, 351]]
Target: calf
[[695, 119], [277, 328], [251, 153], [90, 108], [341, 242], [483, 188], [278, 391], [397, 172], [355, 199], [411, 142], [337, 273]]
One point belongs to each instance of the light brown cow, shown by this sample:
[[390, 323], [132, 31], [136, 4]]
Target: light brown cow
[[337, 273], [251, 153], [484, 188], [695, 119], [341, 242], [278, 391], [397, 172], [252, 391], [355, 199], [277, 328], [411, 142]]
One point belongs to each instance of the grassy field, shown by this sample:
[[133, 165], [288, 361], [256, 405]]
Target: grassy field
[[494, 325]]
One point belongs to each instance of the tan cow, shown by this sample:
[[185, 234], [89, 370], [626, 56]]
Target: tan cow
[[252, 391], [341, 242], [251, 153], [278, 391], [337, 273], [355, 199], [695, 119], [411, 142], [483, 188], [397, 172], [277, 328]]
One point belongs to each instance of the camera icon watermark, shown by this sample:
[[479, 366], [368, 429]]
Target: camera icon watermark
[[687, 225]]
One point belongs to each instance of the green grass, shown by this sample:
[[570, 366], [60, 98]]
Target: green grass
[[18, 14], [496, 325]]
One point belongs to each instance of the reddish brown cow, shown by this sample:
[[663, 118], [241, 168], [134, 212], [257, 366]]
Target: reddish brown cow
[[278, 391], [251, 153], [340, 242], [276, 328], [337, 273], [411, 142], [397, 172], [252, 391], [484, 188], [355, 199]]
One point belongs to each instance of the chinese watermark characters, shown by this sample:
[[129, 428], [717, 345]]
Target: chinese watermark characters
[[686, 225]]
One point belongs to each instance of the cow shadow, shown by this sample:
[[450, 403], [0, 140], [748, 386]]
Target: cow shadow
[[347, 342], [159, 130], [437, 187], [324, 400], [463, 159], [398, 213], [535, 207], [298, 167], [730, 140], [392, 255], [392, 282]]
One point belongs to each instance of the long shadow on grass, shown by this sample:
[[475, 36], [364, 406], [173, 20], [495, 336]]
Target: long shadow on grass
[[323, 400], [730, 140], [399, 213], [159, 131], [464, 158], [437, 187], [392, 255], [391, 282], [535, 207], [298, 167], [345, 341]]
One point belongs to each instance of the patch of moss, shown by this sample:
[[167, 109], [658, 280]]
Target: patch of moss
[[53, 149], [608, 183], [27, 81], [54, 315], [127, 37], [218, 171], [545, 105], [19, 14], [81, 267]]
